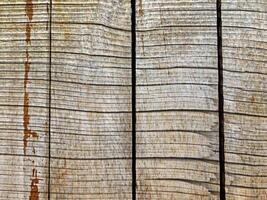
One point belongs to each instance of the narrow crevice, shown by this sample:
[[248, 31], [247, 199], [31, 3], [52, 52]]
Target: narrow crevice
[[133, 36], [49, 97], [221, 101]]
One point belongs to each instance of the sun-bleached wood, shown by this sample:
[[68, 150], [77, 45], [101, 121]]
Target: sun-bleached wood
[[177, 100], [245, 98], [91, 100], [24, 65]]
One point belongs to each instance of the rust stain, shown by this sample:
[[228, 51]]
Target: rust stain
[[29, 14], [29, 9], [26, 117], [34, 195], [26, 70], [26, 121], [141, 10], [46, 128], [28, 33]]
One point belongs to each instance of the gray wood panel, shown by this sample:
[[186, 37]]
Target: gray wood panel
[[177, 100], [91, 100], [245, 87], [24, 76]]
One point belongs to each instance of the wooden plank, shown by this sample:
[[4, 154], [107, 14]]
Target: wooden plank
[[177, 100], [245, 87], [24, 95], [91, 100]]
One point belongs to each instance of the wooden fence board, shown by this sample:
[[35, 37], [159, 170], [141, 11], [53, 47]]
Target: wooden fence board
[[89, 71], [244, 57], [91, 100], [24, 96], [177, 100]]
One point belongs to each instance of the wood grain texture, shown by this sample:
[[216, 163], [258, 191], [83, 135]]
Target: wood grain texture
[[89, 156], [177, 100], [91, 100], [24, 97], [245, 87]]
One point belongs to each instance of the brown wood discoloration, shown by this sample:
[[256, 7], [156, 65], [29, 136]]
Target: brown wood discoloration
[[34, 195], [140, 9], [26, 116], [28, 33], [26, 121], [24, 45], [29, 9]]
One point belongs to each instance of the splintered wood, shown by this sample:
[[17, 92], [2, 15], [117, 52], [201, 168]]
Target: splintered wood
[[66, 113]]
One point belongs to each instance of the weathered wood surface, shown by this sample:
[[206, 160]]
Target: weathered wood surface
[[90, 104], [245, 86], [91, 100], [24, 97], [177, 100], [89, 156]]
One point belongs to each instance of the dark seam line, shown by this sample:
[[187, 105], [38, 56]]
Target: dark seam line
[[49, 102], [133, 35], [221, 101]]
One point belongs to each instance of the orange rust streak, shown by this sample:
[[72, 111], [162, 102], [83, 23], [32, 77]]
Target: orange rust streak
[[28, 32], [26, 69], [26, 121], [29, 9], [26, 117], [34, 195]]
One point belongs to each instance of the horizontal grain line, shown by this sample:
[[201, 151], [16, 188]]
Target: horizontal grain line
[[60, 64], [244, 10], [244, 139], [246, 154], [246, 187], [173, 130], [176, 44], [169, 84], [140, 111], [184, 180], [115, 158], [248, 101], [70, 82], [69, 22], [244, 27], [177, 26], [175, 67], [246, 90], [66, 109], [197, 26], [72, 53], [72, 193], [177, 110], [66, 158], [247, 175], [244, 114], [146, 192]]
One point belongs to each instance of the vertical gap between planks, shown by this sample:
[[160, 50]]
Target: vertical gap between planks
[[49, 101], [221, 101], [133, 36]]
